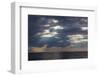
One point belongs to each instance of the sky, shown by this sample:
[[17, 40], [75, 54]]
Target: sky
[[57, 31]]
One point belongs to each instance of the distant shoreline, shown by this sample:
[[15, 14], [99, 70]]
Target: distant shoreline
[[56, 49]]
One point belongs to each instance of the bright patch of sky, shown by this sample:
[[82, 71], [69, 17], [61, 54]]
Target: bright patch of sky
[[49, 34], [57, 27], [46, 31], [55, 21], [84, 28], [47, 25], [78, 38]]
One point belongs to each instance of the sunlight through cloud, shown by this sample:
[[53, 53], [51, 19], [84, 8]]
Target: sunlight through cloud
[[57, 27]]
